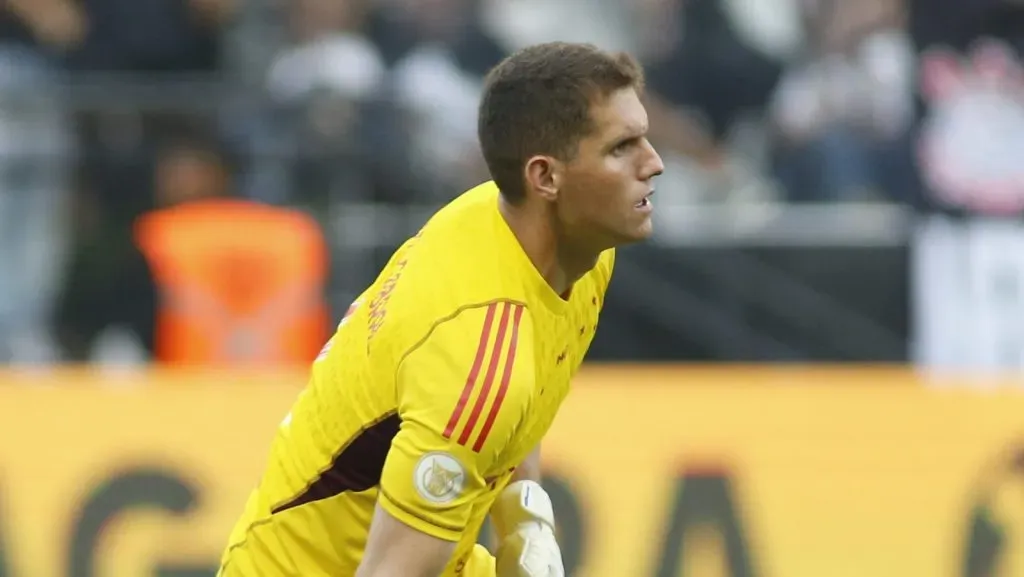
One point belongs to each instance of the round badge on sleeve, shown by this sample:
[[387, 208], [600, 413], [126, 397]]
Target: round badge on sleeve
[[439, 477]]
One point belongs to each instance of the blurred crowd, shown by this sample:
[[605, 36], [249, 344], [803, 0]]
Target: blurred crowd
[[112, 108]]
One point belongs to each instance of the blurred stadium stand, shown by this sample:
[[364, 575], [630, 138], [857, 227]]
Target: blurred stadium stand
[[789, 127], [362, 113]]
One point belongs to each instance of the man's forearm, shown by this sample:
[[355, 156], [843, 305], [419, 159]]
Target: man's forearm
[[529, 469], [394, 549]]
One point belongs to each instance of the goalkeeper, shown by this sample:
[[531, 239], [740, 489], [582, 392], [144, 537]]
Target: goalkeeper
[[425, 412]]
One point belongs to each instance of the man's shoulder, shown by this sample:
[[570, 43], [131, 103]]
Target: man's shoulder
[[469, 325], [451, 299], [471, 359], [471, 337], [457, 264], [473, 203], [460, 258]]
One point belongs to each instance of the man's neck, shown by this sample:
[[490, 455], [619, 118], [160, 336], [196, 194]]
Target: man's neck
[[560, 263]]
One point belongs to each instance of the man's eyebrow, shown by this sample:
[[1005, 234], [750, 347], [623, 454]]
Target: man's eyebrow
[[633, 131], [629, 133]]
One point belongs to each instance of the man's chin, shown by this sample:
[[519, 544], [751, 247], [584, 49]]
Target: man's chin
[[636, 234], [644, 231]]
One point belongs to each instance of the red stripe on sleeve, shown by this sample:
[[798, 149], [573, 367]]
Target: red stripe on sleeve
[[474, 372], [506, 377], [492, 369]]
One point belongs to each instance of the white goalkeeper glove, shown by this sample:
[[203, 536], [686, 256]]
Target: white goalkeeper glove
[[525, 524]]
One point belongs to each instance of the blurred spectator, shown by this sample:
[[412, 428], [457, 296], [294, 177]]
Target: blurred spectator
[[329, 52], [204, 278], [320, 86], [150, 35], [438, 81], [704, 75], [239, 282], [843, 110], [34, 151]]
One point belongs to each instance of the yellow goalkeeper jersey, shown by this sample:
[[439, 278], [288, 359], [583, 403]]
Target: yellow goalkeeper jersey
[[442, 377]]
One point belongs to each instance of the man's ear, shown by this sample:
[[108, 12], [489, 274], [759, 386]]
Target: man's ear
[[543, 175]]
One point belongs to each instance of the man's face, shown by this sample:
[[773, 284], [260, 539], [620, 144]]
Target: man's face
[[183, 175], [603, 199]]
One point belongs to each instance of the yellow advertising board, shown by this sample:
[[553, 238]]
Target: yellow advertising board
[[770, 472]]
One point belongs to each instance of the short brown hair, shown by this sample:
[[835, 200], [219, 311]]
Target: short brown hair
[[537, 101]]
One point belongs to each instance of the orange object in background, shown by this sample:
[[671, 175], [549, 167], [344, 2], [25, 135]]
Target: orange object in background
[[240, 283]]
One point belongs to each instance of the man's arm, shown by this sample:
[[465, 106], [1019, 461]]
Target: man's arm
[[456, 419], [394, 549]]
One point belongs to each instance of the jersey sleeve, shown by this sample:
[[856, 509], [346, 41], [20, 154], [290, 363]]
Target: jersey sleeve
[[462, 392]]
